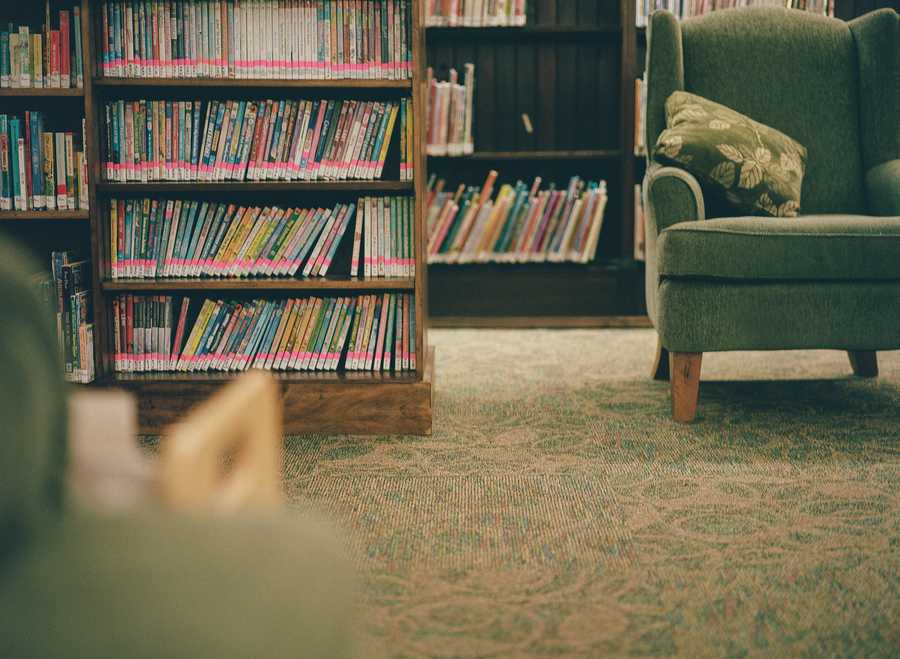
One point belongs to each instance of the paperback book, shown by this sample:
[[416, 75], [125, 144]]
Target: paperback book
[[518, 224], [450, 112], [41, 169], [689, 8], [475, 13], [172, 238], [258, 39], [70, 290], [161, 333], [48, 58], [238, 140]]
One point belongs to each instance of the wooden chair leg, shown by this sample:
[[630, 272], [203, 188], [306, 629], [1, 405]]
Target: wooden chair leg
[[864, 363], [684, 373], [660, 371]]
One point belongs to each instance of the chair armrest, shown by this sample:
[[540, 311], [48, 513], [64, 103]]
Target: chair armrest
[[226, 454], [672, 195], [107, 471], [883, 188]]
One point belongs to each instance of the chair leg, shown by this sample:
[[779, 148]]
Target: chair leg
[[864, 363], [660, 369], [684, 372]]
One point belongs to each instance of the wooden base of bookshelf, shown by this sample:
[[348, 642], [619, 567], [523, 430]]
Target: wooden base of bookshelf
[[539, 322], [351, 403]]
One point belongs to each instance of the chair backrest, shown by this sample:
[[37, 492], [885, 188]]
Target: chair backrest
[[32, 405], [795, 71]]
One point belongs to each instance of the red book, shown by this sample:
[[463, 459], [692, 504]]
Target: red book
[[54, 58], [65, 56], [179, 334]]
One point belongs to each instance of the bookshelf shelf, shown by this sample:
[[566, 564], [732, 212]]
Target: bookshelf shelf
[[536, 31], [33, 92], [232, 83], [357, 402], [44, 215], [587, 154], [329, 283], [255, 186]]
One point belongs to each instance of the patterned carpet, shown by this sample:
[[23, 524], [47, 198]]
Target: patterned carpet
[[558, 511]]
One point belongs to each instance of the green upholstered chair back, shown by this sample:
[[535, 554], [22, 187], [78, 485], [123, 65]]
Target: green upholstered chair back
[[795, 71], [32, 405]]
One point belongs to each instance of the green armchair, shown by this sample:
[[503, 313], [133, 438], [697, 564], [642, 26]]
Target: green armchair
[[827, 279], [151, 584]]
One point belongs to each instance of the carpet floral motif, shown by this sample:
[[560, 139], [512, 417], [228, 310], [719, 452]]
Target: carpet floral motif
[[558, 511]]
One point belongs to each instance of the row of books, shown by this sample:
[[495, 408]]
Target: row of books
[[163, 238], [39, 169], [689, 8], [156, 140], [263, 39], [50, 59], [356, 333], [450, 108], [522, 224], [70, 291], [475, 13]]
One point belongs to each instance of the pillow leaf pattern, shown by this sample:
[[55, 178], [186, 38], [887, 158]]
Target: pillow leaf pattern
[[755, 168]]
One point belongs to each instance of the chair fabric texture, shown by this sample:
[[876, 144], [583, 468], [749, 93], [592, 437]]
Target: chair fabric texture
[[829, 278]]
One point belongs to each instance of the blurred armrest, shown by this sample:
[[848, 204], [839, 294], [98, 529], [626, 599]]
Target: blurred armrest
[[226, 454]]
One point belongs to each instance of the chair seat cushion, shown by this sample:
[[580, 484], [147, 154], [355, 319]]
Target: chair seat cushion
[[156, 585], [810, 247]]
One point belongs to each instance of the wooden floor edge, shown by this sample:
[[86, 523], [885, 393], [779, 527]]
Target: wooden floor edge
[[538, 322], [340, 408]]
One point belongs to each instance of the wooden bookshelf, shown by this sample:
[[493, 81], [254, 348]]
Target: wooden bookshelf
[[572, 154], [44, 215], [357, 402], [32, 92], [363, 187], [328, 283], [237, 83], [571, 71]]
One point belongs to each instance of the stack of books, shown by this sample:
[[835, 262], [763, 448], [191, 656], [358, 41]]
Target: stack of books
[[150, 140], [450, 108], [689, 8], [70, 288], [356, 333], [521, 224], [52, 59], [164, 238], [259, 39], [475, 13], [40, 170]]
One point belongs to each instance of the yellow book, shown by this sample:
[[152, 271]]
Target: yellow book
[[196, 332], [387, 140]]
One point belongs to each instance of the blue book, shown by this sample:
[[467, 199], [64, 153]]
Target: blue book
[[5, 70], [78, 60], [326, 124], [36, 124], [195, 147], [345, 222]]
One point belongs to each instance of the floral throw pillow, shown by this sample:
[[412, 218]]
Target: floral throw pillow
[[755, 168]]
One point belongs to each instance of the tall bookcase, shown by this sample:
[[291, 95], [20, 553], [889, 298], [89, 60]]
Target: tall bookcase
[[341, 402], [571, 71]]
